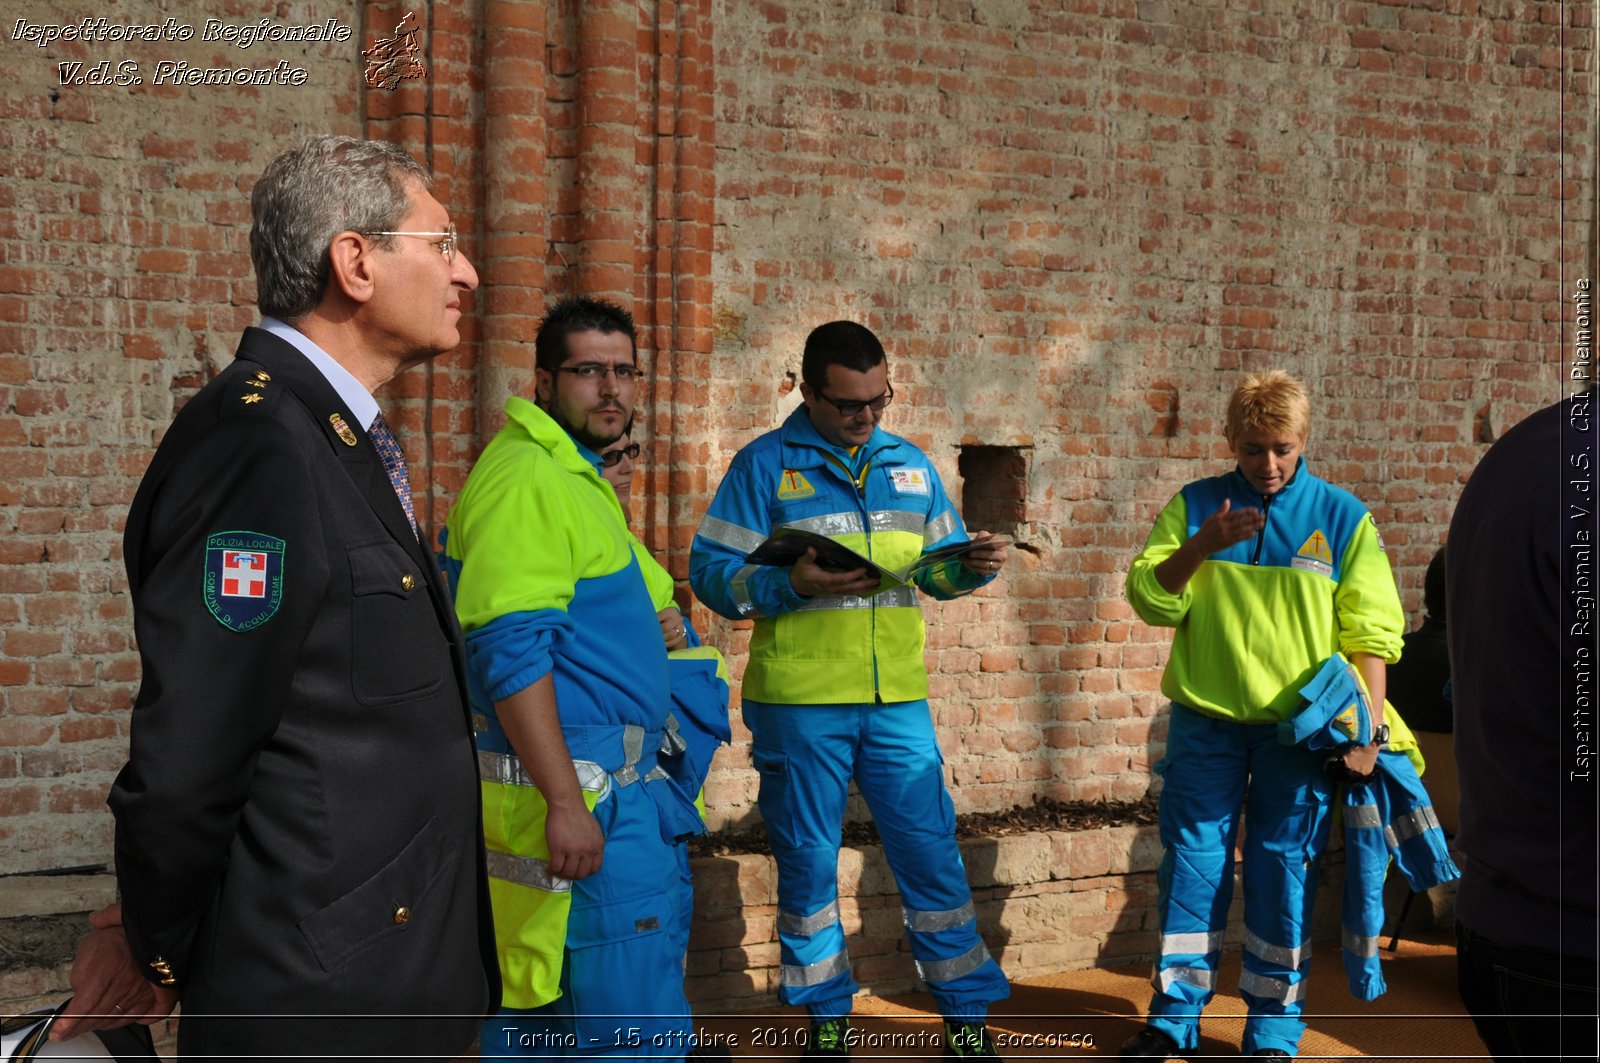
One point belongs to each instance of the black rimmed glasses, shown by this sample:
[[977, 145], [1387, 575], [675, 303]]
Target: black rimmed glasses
[[594, 372], [851, 407], [614, 457], [446, 241]]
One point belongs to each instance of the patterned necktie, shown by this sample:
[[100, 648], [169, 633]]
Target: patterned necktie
[[394, 463]]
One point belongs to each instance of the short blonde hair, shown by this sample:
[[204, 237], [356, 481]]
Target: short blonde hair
[[1272, 401]]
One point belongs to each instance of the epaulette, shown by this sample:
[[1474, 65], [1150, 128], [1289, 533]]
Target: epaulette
[[247, 390]]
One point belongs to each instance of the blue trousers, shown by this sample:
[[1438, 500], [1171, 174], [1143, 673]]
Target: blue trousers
[[807, 755], [1212, 768], [622, 972]]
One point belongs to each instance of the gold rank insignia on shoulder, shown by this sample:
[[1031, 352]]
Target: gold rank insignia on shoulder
[[262, 374], [256, 383], [250, 398], [346, 436]]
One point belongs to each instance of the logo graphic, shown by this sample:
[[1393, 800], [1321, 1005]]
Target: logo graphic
[[1348, 722], [1315, 555], [394, 59], [909, 481], [793, 485], [243, 578], [1317, 548]]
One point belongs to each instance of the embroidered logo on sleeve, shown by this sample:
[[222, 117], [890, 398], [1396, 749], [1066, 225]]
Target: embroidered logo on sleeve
[[909, 481], [1315, 555], [243, 580], [793, 484]]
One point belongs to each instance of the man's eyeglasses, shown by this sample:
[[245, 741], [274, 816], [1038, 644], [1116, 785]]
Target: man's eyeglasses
[[593, 372], [614, 457], [446, 246], [851, 407]]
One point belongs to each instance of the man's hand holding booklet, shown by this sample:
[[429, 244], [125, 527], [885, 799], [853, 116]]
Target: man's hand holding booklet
[[786, 546]]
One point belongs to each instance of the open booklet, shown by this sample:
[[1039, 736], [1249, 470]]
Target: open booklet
[[788, 545]]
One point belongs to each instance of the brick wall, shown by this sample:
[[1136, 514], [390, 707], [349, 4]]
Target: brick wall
[[124, 283], [1075, 224]]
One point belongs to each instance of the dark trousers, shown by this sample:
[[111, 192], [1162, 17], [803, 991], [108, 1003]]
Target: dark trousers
[[1527, 1004]]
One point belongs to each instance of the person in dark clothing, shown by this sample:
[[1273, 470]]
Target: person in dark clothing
[[1520, 586], [1417, 680]]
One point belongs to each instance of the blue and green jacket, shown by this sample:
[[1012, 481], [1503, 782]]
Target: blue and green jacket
[[546, 582], [1258, 619], [886, 503]]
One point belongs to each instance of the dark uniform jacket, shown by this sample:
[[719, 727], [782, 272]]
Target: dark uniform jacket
[[298, 825]]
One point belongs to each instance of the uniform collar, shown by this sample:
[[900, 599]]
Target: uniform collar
[[1237, 482], [351, 391], [543, 430], [805, 448]]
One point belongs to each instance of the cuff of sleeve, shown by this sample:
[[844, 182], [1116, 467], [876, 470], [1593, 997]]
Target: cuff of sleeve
[[516, 651], [521, 679], [1154, 603], [783, 591]]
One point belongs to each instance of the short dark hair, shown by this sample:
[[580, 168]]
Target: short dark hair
[[839, 343], [579, 314], [1433, 587], [311, 193]]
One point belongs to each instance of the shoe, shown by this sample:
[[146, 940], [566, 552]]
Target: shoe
[[829, 1037], [1149, 1043], [968, 1040]]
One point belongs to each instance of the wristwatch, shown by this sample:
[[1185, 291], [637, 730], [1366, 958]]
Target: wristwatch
[[1380, 736]]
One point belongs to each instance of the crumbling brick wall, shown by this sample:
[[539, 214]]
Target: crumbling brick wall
[[1075, 224]]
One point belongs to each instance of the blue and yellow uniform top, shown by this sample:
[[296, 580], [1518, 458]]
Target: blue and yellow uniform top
[[884, 500], [1258, 619]]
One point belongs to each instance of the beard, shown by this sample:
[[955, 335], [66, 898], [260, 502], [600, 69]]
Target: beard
[[593, 441]]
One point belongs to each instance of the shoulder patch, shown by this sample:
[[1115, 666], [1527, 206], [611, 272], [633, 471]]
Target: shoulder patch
[[1374, 522], [243, 578], [793, 484], [909, 481]]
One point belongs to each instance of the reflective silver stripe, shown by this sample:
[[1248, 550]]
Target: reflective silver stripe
[[1259, 985], [1191, 944], [732, 536], [1360, 946], [525, 871], [1200, 977], [672, 743], [507, 770], [806, 925], [817, 973], [1362, 816], [1412, 824], [739, 590], [933, 922], [893, 598], [1281, 955], [632, 750], [591, 776], [831, 524], [939, 527], [936, 971], [887, 520]]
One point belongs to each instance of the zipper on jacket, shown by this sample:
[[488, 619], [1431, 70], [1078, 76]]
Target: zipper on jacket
[[1261, 536]]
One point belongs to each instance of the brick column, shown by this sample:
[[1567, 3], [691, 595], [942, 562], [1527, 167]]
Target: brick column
[[515, 236]]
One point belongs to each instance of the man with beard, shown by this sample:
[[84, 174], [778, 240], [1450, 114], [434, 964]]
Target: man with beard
[[567, 672]]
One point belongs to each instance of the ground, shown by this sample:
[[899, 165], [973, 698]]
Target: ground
[[1044, 814]]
